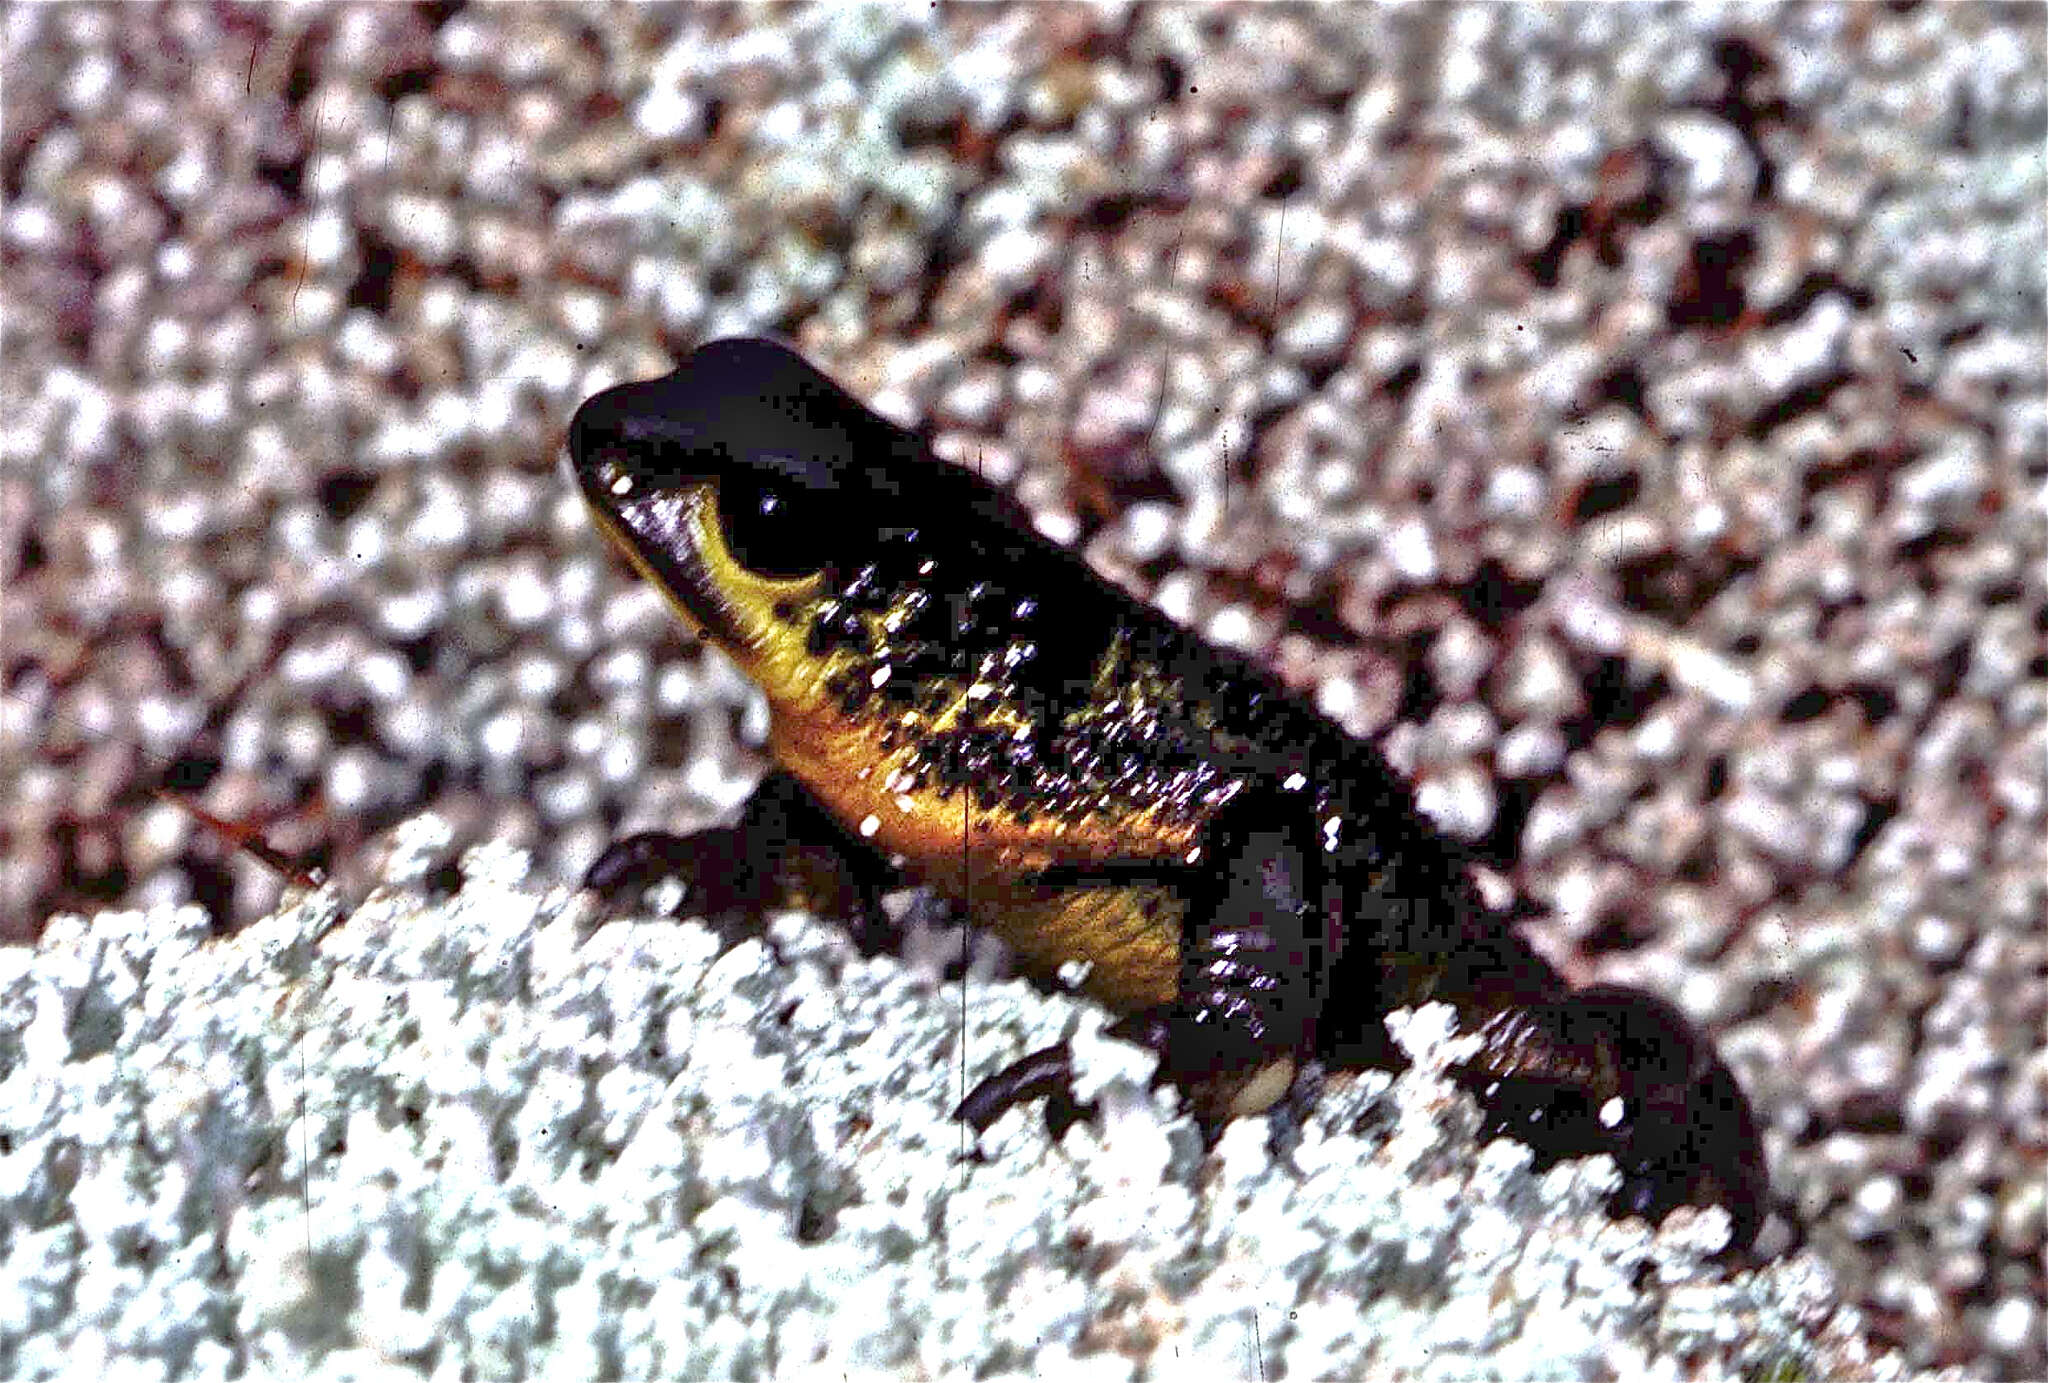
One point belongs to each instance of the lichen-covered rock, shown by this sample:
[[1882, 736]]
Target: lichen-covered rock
[[481, 1135]]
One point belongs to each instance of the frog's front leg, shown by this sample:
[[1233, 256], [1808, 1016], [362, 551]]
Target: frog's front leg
[[1255, 960], [785, 851]]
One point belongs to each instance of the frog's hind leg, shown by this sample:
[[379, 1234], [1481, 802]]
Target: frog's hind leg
[[1257, 958], [1613, 1070], [1254, 974]]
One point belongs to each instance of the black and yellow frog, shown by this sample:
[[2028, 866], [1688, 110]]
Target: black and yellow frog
[[960, 703]]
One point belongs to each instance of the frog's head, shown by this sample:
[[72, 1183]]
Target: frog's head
[[771, 507], [734, 483]]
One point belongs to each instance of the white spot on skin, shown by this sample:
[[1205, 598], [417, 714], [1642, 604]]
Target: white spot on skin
[[880, 679], [870, 824]]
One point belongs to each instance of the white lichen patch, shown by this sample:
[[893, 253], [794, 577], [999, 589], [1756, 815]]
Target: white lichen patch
[[482, 1134]]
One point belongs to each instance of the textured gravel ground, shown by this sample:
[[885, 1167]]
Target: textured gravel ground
[[1635, 418]]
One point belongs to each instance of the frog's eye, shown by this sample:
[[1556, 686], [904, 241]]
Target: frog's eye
[[775, 527]]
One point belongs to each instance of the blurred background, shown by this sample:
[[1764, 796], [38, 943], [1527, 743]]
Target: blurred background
[[1634, 419]]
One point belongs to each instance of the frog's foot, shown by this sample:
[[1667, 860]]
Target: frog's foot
[[784, 852], [1046, 1074], [1618, 1071], [718, 881]]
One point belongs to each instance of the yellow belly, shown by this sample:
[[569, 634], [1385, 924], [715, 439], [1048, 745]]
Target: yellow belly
[[1132, 936]]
